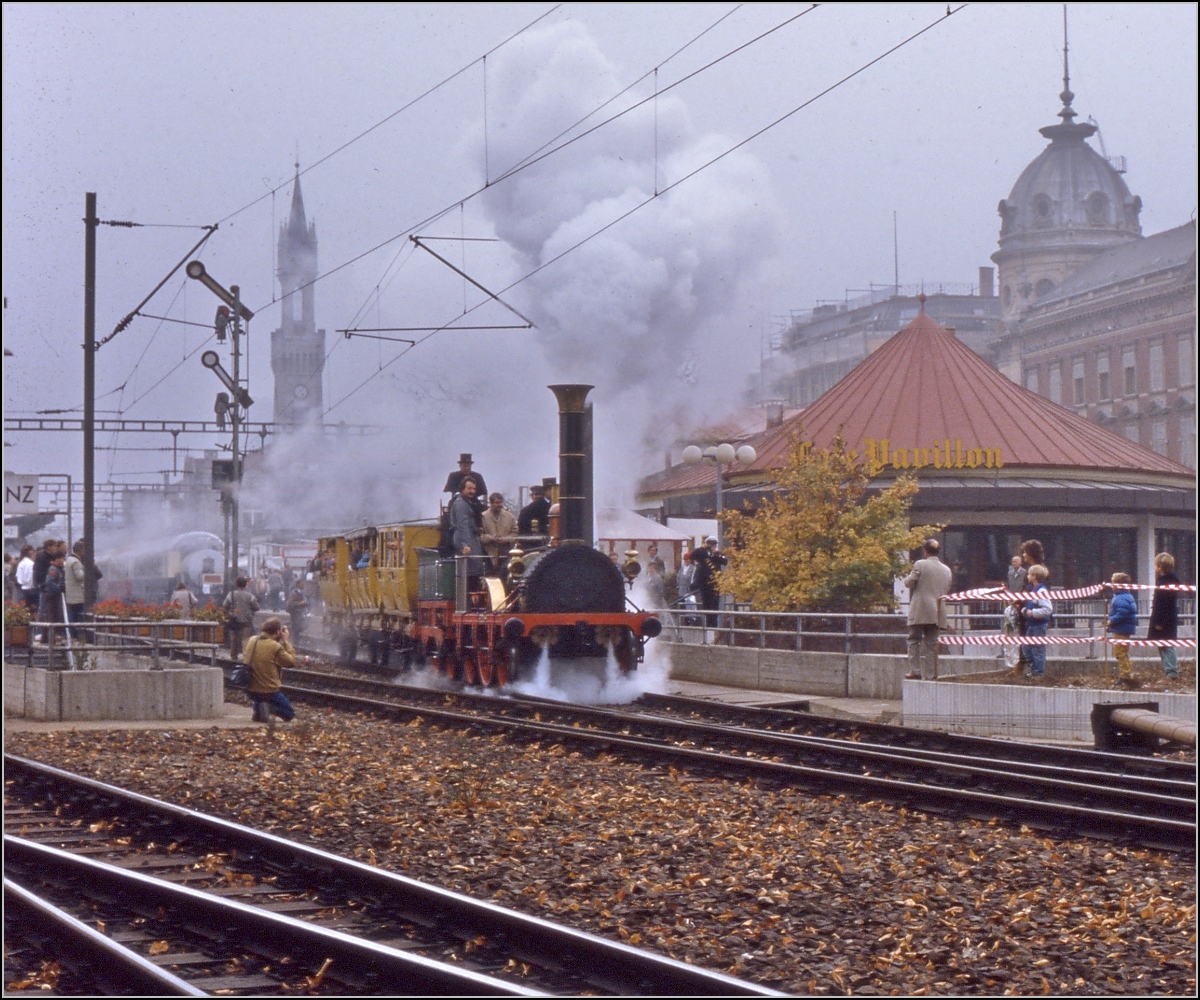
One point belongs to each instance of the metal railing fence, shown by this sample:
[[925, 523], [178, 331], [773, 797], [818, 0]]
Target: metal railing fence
[[885, 633], [73, 645]]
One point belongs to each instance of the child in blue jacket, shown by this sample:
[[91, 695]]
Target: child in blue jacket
[[1122, 621], [1036, 613]]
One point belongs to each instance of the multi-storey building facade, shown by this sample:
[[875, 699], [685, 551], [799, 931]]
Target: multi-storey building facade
[[1115, 342]]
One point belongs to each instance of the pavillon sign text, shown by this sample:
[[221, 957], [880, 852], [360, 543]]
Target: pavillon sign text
[[945, 454]]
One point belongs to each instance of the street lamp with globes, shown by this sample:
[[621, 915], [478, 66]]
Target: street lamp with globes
[[722, 454]]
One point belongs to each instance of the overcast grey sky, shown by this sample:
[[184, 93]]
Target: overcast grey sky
[[185, 114]]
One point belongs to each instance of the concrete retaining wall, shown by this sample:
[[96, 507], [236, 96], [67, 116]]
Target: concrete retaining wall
[[113, 695], [1017, 710], [833, 675]]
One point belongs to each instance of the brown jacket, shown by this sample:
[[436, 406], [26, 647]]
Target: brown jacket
[[930, 579], [266, 658]]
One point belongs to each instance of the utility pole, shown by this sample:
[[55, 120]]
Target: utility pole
[[235, 415], [89, 403]]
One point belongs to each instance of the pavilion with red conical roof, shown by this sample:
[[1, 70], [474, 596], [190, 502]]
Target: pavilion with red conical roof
[[995, 462]]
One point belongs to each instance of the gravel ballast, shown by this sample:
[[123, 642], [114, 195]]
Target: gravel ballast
[[810, 894]]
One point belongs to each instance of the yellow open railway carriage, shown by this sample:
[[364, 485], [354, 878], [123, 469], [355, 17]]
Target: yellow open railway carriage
[[368, 583]]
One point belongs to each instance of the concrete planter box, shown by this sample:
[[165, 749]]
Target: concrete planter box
[[1016, 710], [183, 692]]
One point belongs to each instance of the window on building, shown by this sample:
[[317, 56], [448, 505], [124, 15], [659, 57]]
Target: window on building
[[1158, 435], [1187, 439], [1129, 363], [1156, 366], [1187, 372], [1104, 390], [1131, 431], [1031, 379], [1077, 382], [1055, 391]]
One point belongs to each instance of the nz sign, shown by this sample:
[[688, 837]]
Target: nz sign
[[20, 494]]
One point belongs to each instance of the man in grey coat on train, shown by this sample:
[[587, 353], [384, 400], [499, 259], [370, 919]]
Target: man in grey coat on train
[[929, 580], [465, 531]]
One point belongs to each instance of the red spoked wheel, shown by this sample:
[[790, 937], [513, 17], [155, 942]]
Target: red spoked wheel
[[470, 666], [486, 663]]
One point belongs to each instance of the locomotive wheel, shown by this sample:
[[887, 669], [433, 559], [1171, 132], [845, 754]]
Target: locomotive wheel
[[470, 667], [626, 652], [446, 662], [486, 662], [507, 664]]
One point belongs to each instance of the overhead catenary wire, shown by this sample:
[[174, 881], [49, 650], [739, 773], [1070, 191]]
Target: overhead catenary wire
[[674, 184], [124, 323], [530, 161], [400, 110]]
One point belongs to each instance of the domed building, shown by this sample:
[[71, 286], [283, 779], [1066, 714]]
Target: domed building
[[1095, 316], [1068, 205]]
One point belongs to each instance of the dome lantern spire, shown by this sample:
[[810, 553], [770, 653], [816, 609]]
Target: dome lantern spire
[[1068, 112]]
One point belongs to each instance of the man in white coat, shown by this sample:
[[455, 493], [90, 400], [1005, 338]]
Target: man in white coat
[[929, 580]]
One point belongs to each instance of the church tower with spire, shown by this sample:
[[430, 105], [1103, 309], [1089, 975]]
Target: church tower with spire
[[297, 347]]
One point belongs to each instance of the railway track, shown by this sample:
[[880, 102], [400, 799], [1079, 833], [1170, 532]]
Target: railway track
[[1080, 792], [159, 899]]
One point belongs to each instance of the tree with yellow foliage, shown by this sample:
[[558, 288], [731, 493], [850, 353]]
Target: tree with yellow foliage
[[819, 543]]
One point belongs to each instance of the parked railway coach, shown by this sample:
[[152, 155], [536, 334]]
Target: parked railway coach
[[390, 588]]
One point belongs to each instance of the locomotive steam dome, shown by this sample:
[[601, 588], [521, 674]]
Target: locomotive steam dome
[[1069, 204]]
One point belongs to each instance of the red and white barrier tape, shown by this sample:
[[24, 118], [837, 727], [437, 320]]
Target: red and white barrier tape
[[1077, 594], [1057, 640]]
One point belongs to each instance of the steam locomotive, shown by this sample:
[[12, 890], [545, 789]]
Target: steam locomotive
[[564, 598]]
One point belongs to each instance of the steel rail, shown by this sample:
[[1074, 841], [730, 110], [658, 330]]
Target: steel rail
[[142, 973], [535, 939], [398, 970], [1161, 831], [915, 740], [1100, 788], [905, 736]]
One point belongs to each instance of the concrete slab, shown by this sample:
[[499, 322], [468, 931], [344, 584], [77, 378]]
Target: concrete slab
[[889, 711], [233, 716], [730, 695]]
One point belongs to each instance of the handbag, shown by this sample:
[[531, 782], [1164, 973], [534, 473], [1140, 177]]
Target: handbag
[[240, 677]]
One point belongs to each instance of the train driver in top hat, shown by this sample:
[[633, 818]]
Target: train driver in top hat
[[454, 480]]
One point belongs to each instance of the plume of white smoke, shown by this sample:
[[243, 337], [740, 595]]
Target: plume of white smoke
[[648, 309]]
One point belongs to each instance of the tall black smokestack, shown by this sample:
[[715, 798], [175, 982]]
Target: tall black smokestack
[[574, 465]]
